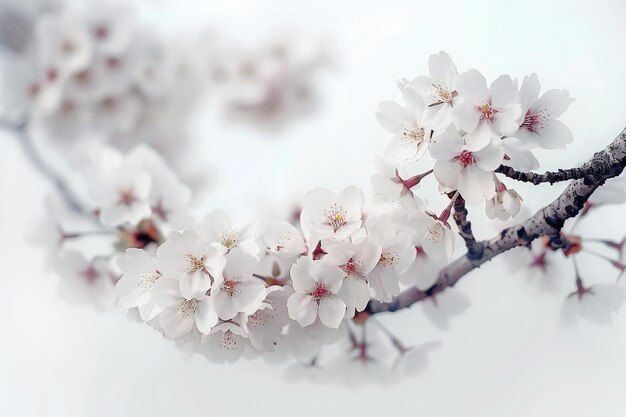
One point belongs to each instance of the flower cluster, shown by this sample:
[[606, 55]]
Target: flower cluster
[[228, 289], [93, 71], [271, 82], [469, 128], [135, 200], [211, 282]]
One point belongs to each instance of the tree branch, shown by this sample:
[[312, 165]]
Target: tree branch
[[30, 150], [474, 249], [599, 164], [548, 221]]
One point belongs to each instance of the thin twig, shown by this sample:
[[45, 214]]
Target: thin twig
[[20, 130]]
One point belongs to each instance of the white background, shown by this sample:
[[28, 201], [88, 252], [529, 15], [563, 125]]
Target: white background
[[507, 354]]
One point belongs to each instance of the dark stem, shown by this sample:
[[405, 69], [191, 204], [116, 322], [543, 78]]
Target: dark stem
[[474, 249]]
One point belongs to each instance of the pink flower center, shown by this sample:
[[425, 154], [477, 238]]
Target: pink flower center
[[335, 216], [533, 122], [466, 158], [487, 112], [320, 291], [90, 274], [127, 198], [230, 286], [351, 267]]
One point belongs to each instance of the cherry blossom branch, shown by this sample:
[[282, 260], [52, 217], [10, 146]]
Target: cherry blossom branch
[[600, 165], [548, 221], [474, 249], [20, 129]]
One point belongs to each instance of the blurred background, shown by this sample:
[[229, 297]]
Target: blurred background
[[500, 343]]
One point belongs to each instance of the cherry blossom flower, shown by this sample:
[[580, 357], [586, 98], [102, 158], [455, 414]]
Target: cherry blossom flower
[[85, 281], [63, 44], [316, 286], [481, 109], [466, 170], [435, 237], [432, 233], [424, 270], [265, 326], [438, 90], [518, 156], [411, 137], [139, 274], [539, 127], [217, 227], [283, 239], [121, 191], [169, 197], [185, 257], [237, 291], [226, 342], [180, 313], [357, 260], [504, 205], [329, 215], [397, 254], [392, 182]]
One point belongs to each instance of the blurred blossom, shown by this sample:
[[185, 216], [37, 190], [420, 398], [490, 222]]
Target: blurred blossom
[[598, 306], [272, 82], [92, 71]]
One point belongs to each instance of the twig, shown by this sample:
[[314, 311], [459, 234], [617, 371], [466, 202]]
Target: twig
[[30, 150], [597, 164], [474, 249]]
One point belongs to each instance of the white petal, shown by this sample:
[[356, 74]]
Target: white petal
[[503, 92], [529, 91], [490, 157], [302, 308], [553, 103], [519, 157], [555, 135], [472, 87], [331, 311], [174, 323], [448, 173], [206, 316], [194, 284], [392, 116], [465, 115]]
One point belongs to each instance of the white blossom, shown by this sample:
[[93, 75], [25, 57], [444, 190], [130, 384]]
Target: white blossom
[[482, 111], [237, 291], [216, 227], [193, 262], [504, 205], [283, 239], [356, 260], [469, 171], [411, 137], [538, 126], [180, 313], [316, 285], [438, 90], [139, 274], [326, 214]]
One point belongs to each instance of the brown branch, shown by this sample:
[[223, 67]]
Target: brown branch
[[598, 163], [548, 221], [474, 249]]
